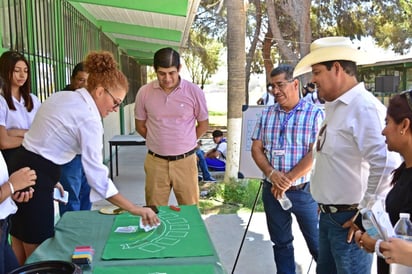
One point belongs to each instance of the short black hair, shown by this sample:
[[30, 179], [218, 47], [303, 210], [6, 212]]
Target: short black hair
[[348, 66], [283, 69], [166, 58], [217, 133], [77, 69]]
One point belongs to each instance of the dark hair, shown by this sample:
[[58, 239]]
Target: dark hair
[[103, 71], [283, 69], [78, 68], [166, 58], [348, 66], [217, 133], [398, 109], [8, 61]]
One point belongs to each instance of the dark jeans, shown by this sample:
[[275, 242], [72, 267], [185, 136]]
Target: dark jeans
[[8, 261], [279, 224], [335, 254], [74, 180]]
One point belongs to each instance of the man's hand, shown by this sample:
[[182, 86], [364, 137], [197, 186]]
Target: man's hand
[[352, 227], [280, 183]]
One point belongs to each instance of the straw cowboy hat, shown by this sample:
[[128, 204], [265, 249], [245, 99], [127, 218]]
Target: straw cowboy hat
[[330, 49]]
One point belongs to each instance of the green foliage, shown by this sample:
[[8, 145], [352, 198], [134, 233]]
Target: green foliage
[[202, 57], [236, 194]]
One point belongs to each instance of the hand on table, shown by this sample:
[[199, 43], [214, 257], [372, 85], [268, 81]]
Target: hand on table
[[149, 217]]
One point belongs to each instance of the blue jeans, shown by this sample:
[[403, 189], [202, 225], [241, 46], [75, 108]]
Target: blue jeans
[[335, 254], [74, 180], [8, 261], [279, 224], [203, 166]]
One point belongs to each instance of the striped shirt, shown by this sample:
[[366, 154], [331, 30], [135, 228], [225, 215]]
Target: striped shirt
[[287, 136]]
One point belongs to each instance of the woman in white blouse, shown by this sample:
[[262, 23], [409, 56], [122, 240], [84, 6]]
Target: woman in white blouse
[[69, 123], [22, 178], [18, 105]]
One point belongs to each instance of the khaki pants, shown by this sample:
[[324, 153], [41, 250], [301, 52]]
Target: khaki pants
[[163, 175]]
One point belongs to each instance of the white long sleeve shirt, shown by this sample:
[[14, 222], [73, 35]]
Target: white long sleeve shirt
[[68, 123], [353, 158]]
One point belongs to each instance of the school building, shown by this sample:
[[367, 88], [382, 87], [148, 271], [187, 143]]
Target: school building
[[54, 35]]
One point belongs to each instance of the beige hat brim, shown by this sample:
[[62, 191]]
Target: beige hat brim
[[330, 54]]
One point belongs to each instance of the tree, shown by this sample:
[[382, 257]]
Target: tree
[[236, 60], [201, 57]]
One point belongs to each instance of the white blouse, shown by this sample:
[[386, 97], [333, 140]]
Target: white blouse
[[8, 206], [68, 123]]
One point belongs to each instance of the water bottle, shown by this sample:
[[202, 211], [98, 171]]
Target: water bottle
[[403, 230], [284, 201], [369, 223]]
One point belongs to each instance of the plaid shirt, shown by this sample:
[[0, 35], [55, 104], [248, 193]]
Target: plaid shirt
[[292, 136]]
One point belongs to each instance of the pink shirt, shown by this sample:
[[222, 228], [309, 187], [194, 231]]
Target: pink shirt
[[171, 118]]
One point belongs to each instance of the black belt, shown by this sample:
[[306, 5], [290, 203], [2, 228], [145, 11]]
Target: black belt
[[296, 187], [173, 157], [337, 208]]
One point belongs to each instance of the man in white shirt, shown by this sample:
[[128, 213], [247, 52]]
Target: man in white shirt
[[352, 163]]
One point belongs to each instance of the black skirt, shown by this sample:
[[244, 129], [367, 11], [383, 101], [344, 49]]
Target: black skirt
[[34, 221]]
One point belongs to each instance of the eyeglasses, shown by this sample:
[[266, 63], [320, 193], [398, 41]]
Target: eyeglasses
[[407, 93], [279, 85], [116, 101], [321, 138]]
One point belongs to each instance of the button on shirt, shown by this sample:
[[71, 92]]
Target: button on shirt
[[352, 157], [8, 206], [68, 123], [293, 137], [171, 118], [19, 118]]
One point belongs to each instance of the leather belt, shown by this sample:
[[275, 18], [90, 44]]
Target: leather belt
[[173, 157], [337, 208], [296, 187]]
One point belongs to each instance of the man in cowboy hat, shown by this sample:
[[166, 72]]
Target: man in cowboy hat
[[352, 163]]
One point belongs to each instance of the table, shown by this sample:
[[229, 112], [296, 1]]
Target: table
[[123, 140], [92, 228]]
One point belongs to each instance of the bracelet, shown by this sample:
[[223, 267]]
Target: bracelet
[[377, 251], [11, 187], [270, 174]]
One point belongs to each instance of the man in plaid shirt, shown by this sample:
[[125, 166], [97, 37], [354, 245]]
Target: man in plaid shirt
[[282, 149]]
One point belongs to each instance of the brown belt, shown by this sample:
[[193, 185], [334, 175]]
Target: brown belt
[[173, 157], [337, 208]]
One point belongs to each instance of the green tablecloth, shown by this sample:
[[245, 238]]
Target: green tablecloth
[[92, 228], [180, 234]]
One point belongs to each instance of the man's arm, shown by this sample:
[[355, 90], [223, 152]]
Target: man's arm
[[302, 167], [278, 179], [201, 128], [141, 127]]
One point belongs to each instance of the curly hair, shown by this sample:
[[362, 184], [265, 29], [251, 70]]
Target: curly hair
[[103, 71], [8, 61]]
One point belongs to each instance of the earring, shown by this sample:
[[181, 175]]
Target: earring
[[401, 132]]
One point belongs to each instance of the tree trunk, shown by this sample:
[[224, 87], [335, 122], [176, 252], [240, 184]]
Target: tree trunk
[[236, 60]]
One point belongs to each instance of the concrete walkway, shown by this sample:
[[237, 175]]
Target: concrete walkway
[[225, 230]]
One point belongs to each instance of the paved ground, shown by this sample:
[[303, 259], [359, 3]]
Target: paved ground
[[225, 230]]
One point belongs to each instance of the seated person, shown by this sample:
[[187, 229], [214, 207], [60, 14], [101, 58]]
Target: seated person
[[216, 157], [267, 98], [201, 162]]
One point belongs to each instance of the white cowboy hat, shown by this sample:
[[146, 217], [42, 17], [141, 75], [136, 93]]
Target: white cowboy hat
[[330, 49]]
